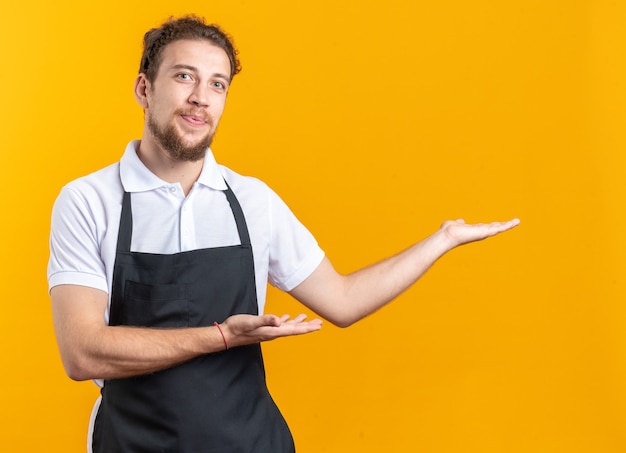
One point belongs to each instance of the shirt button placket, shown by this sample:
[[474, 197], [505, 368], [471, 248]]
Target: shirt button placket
[[187, 233]]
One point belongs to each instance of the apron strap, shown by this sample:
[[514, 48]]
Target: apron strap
[[126, 225], [240, 219]]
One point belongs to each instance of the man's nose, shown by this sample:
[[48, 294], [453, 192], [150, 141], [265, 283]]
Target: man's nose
[[199, 97]]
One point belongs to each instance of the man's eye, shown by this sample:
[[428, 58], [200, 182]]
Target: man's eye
[[219, 85], [184, 76]]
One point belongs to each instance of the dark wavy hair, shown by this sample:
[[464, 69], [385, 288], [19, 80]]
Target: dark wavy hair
[[186, 27]]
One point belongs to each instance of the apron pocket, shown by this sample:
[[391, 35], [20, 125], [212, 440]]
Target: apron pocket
[[155, 305]]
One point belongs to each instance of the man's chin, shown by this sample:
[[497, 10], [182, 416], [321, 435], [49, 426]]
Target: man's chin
[[188, 154], [177, 146]]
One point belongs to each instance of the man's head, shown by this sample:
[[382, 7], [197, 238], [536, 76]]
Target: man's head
[[184, 77], [187, 27]]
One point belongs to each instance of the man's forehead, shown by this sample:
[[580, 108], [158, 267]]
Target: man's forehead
[[197, 47], [196, 54]]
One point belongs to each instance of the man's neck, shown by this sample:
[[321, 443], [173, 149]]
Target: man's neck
[[159, 162]]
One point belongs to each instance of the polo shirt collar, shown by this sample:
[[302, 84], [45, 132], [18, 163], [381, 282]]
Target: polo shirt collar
[[136, 177]]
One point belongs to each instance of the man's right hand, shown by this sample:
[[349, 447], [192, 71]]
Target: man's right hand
[[240, 330]]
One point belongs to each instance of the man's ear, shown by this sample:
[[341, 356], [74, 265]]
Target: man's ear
[[142, 85]]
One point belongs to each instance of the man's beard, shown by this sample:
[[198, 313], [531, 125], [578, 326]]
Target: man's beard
[[172, 142]]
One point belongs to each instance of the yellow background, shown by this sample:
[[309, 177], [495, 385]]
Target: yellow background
[[375, 121]]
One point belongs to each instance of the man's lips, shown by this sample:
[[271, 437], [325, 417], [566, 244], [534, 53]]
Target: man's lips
[[195, 119]]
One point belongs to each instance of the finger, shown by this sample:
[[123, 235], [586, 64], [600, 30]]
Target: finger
[[503, 226], [514, 222], [499, 227], [301, 328], [298, 319], [308, 326], [287, 329], [284, 318]]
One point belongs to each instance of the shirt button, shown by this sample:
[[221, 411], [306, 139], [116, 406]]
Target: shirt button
[[172, 189]]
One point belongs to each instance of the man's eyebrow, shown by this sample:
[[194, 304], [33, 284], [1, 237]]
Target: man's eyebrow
[[185, 66], [195, 69]]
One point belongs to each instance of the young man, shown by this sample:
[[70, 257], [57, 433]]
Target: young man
[[159, 265]]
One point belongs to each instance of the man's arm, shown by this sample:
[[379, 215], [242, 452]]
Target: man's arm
[[345, 299], [92, 350]]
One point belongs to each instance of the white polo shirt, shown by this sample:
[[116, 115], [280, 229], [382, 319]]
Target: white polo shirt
[[86, 216]]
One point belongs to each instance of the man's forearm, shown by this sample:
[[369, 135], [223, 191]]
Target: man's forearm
[[118, 351], [92, 350], [345, 299], [374, 286]]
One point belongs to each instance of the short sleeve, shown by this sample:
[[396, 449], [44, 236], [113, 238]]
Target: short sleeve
[[75, 256], [293, 253]]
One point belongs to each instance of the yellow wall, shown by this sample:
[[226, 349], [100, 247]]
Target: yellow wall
[[375, 121]]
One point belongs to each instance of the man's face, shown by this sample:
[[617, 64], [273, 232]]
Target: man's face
[[186, 100]]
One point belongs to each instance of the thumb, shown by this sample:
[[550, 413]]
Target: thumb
[[270, 320]]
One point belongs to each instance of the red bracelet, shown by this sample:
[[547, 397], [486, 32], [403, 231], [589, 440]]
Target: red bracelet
[[222, 333]]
